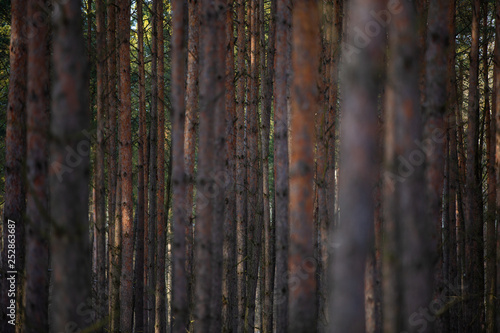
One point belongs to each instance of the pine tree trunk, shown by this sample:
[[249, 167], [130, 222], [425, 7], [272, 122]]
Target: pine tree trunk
[[69, 190], [180, 280], [160, 288], [211, 102], [304, 94], [473, 223], [99, 177], [241, 171], [229, 282], [125, 151], [358, 175], [408, 257], [139, 259], [496, 113], [37, 213], [434, 138], [153, 181], [191, 129], [281, 163], [267, 73]]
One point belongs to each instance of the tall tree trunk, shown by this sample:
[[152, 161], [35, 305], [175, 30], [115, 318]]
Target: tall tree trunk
[[69, 190], [473, 223], [160, 288], [491, 246], [267, 73], [229, 289], [125, 138], [358, 173], [454, 275], [496, 113], [211, 100], [37, 214], [153, 181], [99, 177], [191, 128], [112, 163], [305, 61], [219, 144], [408, 257], [180, 281], [252, 133], [139, 259], [283, 23], [241, 171], [434, 135], [15, 156]]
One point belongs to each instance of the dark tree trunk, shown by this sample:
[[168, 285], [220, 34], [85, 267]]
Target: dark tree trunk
[[139, 259], [37, 213], [69, 190], [473, 223], [180, 296], [241, 171]]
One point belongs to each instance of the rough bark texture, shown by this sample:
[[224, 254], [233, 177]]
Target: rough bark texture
[[283, 24], [139, 259], [161, 221], [408, 260], [191, 129], [267, 73], [304, 94], [153, 183], [218, 107], [473, 223], [125, 151], [252, 132], [241, 171], [358, 173], [490, 269], [15, 155], [113, 274], [211, 99], [99, 177], [180, 296], [496, 108], [37, 213], [69, 190], [229, 286]]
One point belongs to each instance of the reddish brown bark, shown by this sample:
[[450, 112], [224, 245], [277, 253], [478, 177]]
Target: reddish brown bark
[[408, 257], [69, 195], [241, 171], [180, 280], [125, 151], [281, 163], [358, 173], [305, 61], [161, 221], [99, 177], [149, 295], [139, 259], [211, 100], [37, 214], [229, 287], [113, 274]]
